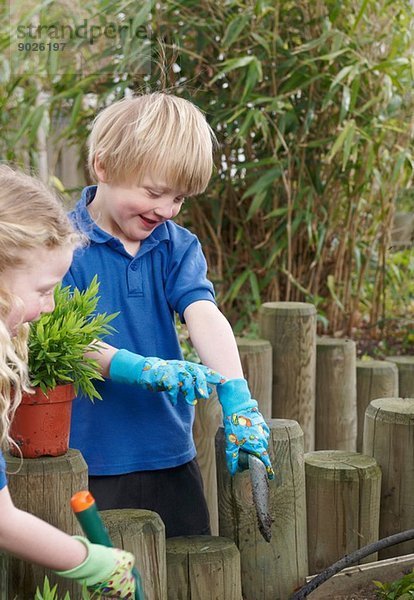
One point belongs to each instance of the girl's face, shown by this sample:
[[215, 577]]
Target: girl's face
[[33, 283]]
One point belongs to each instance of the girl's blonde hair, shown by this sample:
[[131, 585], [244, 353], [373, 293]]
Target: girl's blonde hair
[[30, 217], [157, 134]]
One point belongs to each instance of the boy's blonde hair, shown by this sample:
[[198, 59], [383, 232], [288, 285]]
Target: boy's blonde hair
[[160, 135], [30, 217]]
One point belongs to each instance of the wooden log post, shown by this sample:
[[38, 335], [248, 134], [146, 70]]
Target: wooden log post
[[256, 358], [375, 379], [343, 505], [389, 438], [203, 568], [44, 487], [208, 417], [336, 410], [405, 365], [291, 329], [269, 571], [4, 569], [141, 532]]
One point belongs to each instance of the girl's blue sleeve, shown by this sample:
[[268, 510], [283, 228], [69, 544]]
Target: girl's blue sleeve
[[3, 478]]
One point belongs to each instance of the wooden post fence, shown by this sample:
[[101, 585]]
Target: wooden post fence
[[375, 379], [291, 329], [336, 411], [203, 568], [256, 358], [389, 438], [141, 532], [208, 417], [44, 487], [343, 505], [405, 365], [269, 571]]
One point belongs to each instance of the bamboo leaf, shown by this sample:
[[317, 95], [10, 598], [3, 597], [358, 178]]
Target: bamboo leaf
[[234, 29], [347, 132], [254, 285], [263, 183], [142, 15], [256, 204], [232, 64]]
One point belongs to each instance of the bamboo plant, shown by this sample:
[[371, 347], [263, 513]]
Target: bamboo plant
[[312, 103]]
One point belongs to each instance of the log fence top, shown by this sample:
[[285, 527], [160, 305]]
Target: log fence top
[[401, 360], [288, 309], [392, 410], [329, 341], [376, 364], [205, 544], [252, 344], [339, 459]]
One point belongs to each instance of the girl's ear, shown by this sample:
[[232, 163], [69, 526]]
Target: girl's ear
[[99, 170]]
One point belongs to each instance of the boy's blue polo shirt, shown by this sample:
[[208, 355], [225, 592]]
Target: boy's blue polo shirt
[[3, 478], [132, 429]]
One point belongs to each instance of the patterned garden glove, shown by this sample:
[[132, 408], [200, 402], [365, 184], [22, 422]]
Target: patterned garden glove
[[244, 426], [158, 375], [106, 571]]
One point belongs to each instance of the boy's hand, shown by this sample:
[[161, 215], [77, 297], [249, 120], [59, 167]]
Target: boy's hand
[[158, 375], [106, 571], [244, 425]]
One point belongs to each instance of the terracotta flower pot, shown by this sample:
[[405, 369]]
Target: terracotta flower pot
[[41, 425]]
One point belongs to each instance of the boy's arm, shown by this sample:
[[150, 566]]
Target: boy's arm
[[103, 356], [212, 336], [175, 377], [244, 426]]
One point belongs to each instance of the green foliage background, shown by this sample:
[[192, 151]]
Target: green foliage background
[[312, 104]]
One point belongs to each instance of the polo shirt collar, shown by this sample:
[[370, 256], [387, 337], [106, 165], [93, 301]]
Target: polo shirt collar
[[88, 226]]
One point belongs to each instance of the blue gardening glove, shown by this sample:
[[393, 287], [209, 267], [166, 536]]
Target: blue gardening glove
[[158, 375], [106, 571], [244, 425]]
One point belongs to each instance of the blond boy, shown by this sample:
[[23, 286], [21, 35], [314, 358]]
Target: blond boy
[[147, 154]]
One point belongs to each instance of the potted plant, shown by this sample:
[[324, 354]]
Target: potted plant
[[58, 370]]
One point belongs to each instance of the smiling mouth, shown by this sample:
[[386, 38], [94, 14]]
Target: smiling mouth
[[149, 221]]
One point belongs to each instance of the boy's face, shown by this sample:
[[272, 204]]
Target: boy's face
[[132, 212]]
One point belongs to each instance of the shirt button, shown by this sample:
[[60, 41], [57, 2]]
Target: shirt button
[[134, 266]]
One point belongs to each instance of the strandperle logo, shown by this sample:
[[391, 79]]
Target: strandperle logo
[[79, 37], [83, 31]]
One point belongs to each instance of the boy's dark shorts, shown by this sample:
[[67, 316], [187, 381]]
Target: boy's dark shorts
[[175, 494]]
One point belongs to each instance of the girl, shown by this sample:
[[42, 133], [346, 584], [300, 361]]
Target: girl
[[36, 247]]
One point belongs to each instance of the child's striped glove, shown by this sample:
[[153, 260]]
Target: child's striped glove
[[106, 571], [159, 375], [244, 425]]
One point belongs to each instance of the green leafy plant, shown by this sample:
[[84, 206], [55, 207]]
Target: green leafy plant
[[401, 589], [51, 593], [58, 341]]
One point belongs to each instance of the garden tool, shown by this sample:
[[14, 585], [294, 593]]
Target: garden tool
[[260, 489], [84, 506]]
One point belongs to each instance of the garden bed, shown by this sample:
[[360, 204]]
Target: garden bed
[[355, 583]]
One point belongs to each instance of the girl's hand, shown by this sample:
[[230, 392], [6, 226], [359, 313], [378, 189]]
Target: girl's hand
[[106, 571]]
